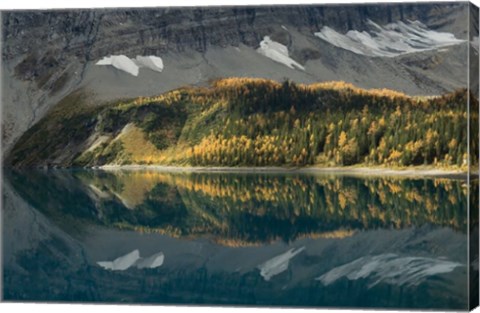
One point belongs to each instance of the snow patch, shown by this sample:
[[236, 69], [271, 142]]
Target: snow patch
[[121, 63], [278, 264], [390, 269], [133, 259], [132, 66], [278, 53], [390, 40], [152, 62]]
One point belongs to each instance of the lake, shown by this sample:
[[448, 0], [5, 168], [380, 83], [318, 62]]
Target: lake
[[243, 239]]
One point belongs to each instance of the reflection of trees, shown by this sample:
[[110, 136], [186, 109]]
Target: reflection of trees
[[244, 209], [372, 202], [221, 201]]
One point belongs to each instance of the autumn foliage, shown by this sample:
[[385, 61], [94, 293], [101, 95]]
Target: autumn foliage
[[260, 122]]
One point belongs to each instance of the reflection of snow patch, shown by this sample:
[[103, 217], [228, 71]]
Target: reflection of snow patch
[[154, 261], [121, 263], [133, 259], [132, 66], [390, 269], [278, 264], [390, 40], [277, 52]]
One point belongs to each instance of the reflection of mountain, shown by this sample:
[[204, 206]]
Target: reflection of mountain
[[391, 269], [243, 209], [47, 262], [193, 45]]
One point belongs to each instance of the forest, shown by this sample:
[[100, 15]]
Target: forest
[[259, 122]]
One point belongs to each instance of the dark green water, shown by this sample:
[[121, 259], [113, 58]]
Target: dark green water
[[235, 239]]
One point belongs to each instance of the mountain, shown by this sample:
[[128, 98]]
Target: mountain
[[253, 122], [125, 53]]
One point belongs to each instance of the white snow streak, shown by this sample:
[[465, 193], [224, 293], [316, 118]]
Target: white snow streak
[[132, 66], [390, 40], [277, 52], [152, 62]]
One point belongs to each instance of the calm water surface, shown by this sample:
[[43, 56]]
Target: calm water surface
[[235, 239]]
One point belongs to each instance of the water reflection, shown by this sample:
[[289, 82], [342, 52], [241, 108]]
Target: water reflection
[[278, 264], [223, 238], [133, 259], [390, 268], [246, 209]]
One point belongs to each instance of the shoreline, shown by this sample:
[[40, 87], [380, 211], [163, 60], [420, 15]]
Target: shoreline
[[346, 171]]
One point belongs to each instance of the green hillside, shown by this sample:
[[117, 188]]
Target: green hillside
[[253, 122]]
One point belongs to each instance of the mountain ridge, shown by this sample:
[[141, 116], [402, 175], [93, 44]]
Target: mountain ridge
[[252, 122], [199, 44]]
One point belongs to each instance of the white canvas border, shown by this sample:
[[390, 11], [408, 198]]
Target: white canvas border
[[103, 308]]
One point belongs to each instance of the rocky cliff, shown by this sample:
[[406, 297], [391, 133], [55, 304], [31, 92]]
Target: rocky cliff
[[46, 55]]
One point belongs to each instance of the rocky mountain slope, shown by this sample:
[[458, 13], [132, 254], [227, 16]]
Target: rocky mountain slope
[[47, 55]]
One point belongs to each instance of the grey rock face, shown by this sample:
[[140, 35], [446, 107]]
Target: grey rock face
[[93, 33]]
